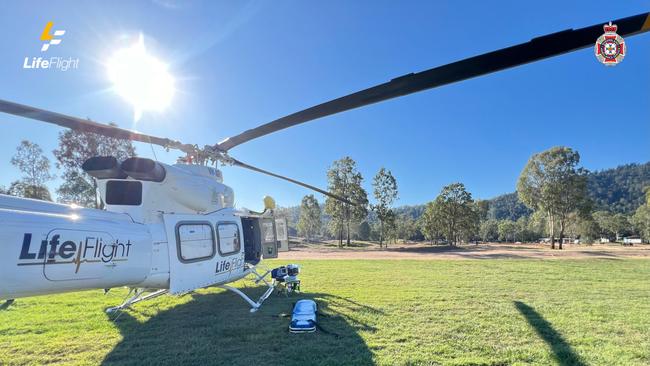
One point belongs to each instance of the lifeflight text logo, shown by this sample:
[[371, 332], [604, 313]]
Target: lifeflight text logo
[[47, 36], [51, 38]]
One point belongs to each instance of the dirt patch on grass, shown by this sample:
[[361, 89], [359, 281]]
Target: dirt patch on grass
[[365, 250]]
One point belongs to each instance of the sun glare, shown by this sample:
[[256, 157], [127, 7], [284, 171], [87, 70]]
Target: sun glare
[[141, 79]]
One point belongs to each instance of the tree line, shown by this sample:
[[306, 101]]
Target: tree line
[[552, 201], [73, 149]]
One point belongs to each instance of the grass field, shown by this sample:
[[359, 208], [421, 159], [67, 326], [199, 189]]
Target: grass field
[[479, 312]]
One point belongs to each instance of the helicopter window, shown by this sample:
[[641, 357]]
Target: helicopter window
[[268, 232], [195, 241], [123, 192], [228, 238]]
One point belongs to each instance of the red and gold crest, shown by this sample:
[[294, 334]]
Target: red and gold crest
[[610, 47]]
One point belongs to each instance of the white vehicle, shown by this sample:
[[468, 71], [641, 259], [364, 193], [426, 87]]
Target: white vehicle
[[174, 228]]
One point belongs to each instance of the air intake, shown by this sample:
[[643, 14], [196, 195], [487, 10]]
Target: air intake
[[144, 169], [103, 167]]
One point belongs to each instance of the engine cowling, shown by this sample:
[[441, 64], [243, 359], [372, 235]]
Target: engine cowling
[[151, 188]]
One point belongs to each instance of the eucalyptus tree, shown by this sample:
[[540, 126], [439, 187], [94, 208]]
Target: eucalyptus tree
[[453, 213], [35, 166], [309, 223], [344, 180], [552, 182], [76, 147], [385, 192], [641, 218]]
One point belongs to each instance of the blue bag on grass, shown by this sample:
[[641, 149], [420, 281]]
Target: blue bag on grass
[[303, 318]]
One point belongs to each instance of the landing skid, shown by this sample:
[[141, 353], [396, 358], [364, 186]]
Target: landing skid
[[260, 278], [137, 297]]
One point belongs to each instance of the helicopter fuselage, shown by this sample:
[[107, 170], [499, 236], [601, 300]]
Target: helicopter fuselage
[[152, 237]]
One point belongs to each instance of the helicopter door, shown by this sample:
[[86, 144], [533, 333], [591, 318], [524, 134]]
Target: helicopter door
[[269, 241], [259, 239], [252, 241], [194, 258]]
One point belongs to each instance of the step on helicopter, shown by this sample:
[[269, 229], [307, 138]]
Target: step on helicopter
[[174, 228]]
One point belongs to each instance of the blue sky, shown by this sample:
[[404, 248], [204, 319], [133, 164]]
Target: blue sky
[[238, 64]]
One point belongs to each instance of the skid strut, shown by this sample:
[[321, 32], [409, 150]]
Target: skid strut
[[254, 305], [137, 297]]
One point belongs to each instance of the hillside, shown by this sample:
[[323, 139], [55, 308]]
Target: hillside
[[618, 190]]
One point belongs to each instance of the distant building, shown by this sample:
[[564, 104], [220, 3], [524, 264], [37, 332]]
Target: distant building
[[630, 240]]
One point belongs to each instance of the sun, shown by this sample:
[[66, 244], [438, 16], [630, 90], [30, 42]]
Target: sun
[[141, 79]]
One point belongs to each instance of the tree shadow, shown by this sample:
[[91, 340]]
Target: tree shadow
[[217, 328], [459, 251], [562, 350]]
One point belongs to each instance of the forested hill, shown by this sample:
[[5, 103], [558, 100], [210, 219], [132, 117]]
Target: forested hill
[[618, 189]]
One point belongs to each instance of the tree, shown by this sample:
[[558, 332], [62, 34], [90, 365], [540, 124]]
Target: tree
[[620, 225], [454, 213], [604, 221], [390, 227], [429, 223], [521, 230], [552, 182], [537, 225], [406, 227], [483, 209], [641, 218], [507, 230], [364, 230], [35, 166], [309, 223], [74, 149], [489, 230], [345, 181], [385, 192], [20, 188], [587, 229], [612, 225]]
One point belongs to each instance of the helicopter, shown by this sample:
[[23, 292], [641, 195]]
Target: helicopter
[[173, 229]]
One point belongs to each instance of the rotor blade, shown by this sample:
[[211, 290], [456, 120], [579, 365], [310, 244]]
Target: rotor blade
[[539, 48], [84, 125], [308, 186]]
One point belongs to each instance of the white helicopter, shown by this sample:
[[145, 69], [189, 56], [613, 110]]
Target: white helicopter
[[174, 228]]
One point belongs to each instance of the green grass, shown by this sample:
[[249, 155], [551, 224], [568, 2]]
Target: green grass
[[482, 312]]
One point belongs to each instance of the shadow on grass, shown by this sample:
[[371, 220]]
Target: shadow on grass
[[217, 328], [477, 252], [353, 244], [6, 304], [562, 350]]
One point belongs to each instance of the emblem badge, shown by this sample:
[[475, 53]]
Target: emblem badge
[[610, 47]]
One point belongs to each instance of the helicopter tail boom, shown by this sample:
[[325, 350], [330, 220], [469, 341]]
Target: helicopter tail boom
[[51, 248]]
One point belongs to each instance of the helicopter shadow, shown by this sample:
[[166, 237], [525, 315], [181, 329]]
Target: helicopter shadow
[[217, 328], [564, 354]]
